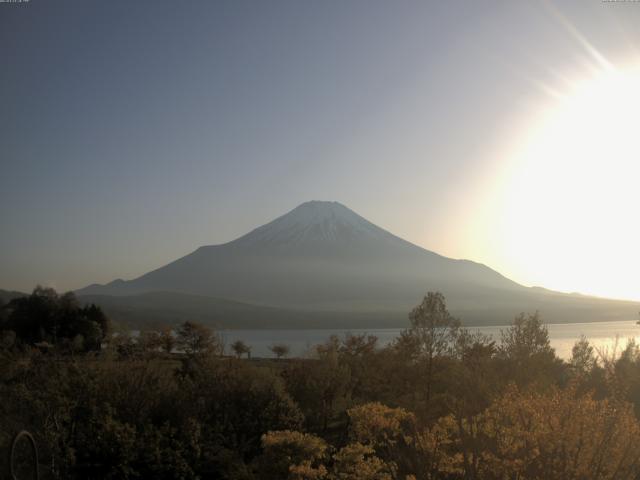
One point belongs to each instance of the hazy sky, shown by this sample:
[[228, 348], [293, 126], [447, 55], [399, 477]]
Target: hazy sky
[[132, 132]]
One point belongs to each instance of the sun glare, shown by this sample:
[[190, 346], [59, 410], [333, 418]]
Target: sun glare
[[568, 214]]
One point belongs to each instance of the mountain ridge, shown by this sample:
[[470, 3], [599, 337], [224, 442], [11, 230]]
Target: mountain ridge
[[324, 257]]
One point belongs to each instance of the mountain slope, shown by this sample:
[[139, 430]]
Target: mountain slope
[[319, 255], [7, 295], [323, 257], [150, 310]]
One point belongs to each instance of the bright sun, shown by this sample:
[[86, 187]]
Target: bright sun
[[568, 204]]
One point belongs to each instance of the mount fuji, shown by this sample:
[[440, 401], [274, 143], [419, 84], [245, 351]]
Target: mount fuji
[[322, 264]]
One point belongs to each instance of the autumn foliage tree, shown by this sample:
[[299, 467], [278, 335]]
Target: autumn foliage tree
[[194, 338], [550, 436], [440, 403]]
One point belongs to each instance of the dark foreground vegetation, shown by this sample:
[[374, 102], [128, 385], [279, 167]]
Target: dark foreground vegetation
[[439, 403]]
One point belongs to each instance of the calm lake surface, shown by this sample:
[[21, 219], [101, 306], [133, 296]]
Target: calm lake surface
[[563, 336]]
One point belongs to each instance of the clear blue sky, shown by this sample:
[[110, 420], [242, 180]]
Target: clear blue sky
[[132, 132]]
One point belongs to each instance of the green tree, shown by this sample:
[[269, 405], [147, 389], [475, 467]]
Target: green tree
[[526, 348], [472, 381], [583, 359], [280, 350], [45, 316], [359, 354], [235, 404], [240, 348], [526, 337], [432, 333], [319, 384]]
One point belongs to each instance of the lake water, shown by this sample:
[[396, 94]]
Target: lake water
[[563, 336]]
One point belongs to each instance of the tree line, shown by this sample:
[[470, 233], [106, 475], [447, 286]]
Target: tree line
[[440, 402]]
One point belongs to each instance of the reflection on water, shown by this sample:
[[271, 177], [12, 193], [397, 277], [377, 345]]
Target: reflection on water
[[563, 336]]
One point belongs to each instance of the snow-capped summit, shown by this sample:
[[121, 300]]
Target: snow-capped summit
[[323, 258], [315, 222], [318, 254]]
